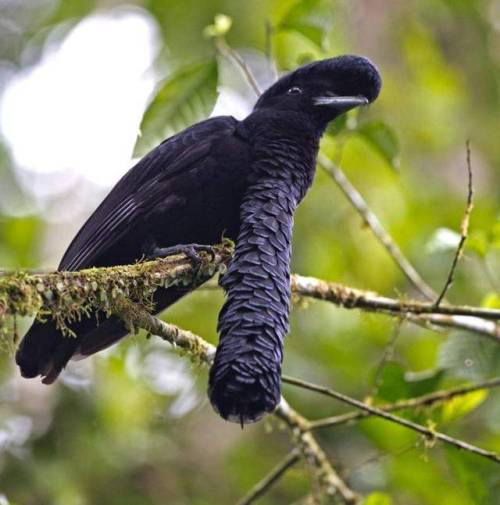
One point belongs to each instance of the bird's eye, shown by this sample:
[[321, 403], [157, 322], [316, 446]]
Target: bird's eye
[[294, 91]]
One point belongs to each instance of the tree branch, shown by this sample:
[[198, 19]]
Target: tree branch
[[477, 325], [429, 433], [275, 474], [411, 403], [197, 348], [327, 479], [464, 230], [204, 352], [458, 316], [226, 50], [359, 203], [67, 296]]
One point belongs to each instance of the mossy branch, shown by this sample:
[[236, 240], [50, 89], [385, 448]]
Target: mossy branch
[[67, 296], [202, 352]]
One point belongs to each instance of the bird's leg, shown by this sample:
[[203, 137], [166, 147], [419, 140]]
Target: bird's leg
[[190, 250]]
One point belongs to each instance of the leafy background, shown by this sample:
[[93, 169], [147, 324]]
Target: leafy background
[[133, 425]]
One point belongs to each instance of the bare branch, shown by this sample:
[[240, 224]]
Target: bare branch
[[464, 230], [226, 50], [347, 188], [411, 403], [375, 225], [386, 356], [71, 294], [360, 299], [476, 325], [204, 352], [427, 432], [275, 474], [410, 310]]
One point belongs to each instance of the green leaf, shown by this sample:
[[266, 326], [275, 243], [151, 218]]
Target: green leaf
[[313, 19], [378, 499], [337, 126], [393, 385], [477, 242], [464, 466], [396, 383], [383, 139], [459, 406], [468, 357], [491, 301], [495, 235], [186, 97], [423, 382]]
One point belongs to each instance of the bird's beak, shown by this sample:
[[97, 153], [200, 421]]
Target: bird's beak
[[340, 103]]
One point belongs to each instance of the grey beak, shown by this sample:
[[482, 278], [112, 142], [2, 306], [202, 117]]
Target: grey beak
[[340, 103]]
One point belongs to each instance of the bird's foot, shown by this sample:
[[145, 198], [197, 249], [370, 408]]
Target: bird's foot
[[190, 250]]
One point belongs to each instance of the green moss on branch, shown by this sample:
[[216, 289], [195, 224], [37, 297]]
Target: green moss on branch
[[67, 296]]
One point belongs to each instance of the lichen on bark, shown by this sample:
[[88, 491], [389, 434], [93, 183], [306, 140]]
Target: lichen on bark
[[67, 296]]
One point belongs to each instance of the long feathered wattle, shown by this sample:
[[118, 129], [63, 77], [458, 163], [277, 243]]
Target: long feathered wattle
[[245, 377], [244, 381]]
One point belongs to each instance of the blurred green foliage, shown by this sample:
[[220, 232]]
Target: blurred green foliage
[[132, 426]]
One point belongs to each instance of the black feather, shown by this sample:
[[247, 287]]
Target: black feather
[[221, 177]]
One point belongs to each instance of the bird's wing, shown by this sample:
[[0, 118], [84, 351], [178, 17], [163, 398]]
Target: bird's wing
[[141, 189]]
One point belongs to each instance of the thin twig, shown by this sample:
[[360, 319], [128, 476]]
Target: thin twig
[[308, 499], [347, 188], [475, 325], [387, 355], [226, 50], [464, 230], [204, 352], [427, 432], [411, 403], [375, 225], [421, 313], [376, 458], [275, 474], [328, 480]]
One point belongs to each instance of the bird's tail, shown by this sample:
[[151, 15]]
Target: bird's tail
[[45, 351], [41, 351]]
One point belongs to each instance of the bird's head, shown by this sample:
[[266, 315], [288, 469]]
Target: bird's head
[[324, 89]]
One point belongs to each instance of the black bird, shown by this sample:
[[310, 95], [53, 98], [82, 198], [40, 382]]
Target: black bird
[[243, 179]]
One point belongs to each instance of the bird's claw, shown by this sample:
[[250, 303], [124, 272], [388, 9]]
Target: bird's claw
[[190, 250]]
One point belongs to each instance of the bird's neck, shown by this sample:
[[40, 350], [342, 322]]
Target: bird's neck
[[278, 124], [285, 146]]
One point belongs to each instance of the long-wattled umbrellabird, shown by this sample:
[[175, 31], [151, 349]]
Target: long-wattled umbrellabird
[[243, 179]]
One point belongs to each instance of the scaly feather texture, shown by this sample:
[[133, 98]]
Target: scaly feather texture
[[245, 377], [220, 177]]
